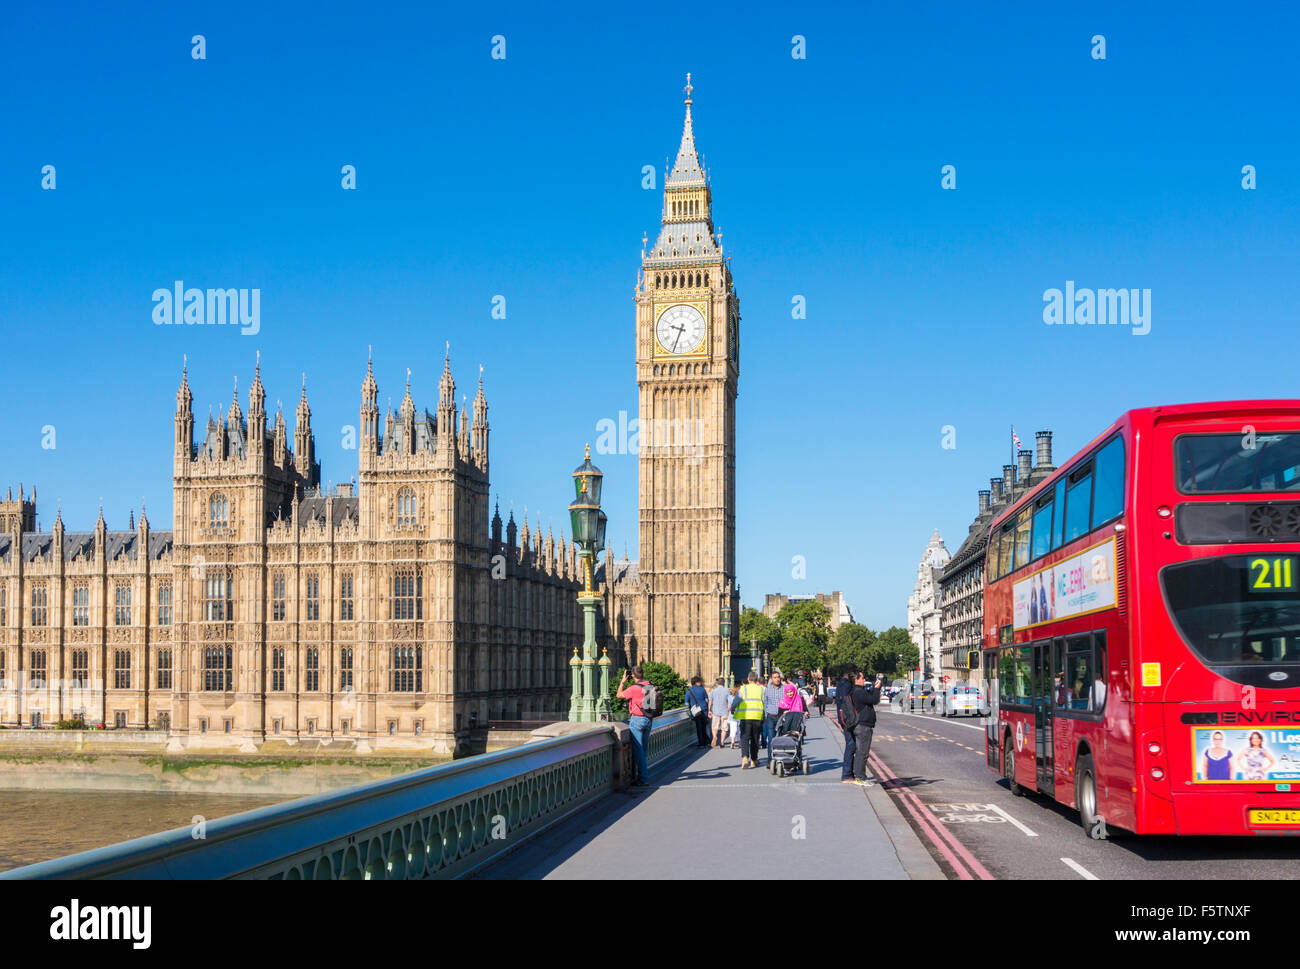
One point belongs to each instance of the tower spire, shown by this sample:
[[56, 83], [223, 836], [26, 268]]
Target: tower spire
[[687, 171]]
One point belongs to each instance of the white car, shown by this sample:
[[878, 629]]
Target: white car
[[965, 700]]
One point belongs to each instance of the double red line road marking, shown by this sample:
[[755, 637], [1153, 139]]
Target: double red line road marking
[[953, 851]]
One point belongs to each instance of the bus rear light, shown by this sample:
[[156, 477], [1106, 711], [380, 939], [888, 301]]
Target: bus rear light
[[1153, 749], [1157, 774]]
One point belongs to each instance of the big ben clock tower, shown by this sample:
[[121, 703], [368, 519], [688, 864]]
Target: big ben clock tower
[[688, 366]]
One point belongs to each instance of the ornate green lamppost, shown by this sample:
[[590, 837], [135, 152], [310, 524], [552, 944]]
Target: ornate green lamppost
[[726, 643], [588, 523]]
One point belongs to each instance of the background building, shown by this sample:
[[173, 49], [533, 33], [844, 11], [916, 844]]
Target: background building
[[393, 613], [961, 586], [839, 609], [923, 607]]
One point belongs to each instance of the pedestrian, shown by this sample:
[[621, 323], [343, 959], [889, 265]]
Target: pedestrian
[[843, 689], [772, 695], [792, 700], [749, 711], [821, 697], [732, 723], [720, 711], [633, 690], [865, 698], [697, 704]]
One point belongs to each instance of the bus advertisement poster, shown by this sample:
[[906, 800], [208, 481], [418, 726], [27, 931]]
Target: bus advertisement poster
[[1246, 755], [1083, 583]]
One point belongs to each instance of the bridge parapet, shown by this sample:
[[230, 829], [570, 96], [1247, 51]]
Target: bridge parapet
[[436, 822]]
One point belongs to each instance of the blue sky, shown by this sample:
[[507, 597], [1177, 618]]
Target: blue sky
[[522, 177]]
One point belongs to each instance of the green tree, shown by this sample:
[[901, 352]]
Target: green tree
[[889, 645], [797, 654], [851, 645], [759, 628], [807, 620]]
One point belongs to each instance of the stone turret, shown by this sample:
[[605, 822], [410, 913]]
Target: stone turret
[[304, 444]]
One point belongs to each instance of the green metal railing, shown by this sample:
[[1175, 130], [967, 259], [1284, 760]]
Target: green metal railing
[[436, 822]]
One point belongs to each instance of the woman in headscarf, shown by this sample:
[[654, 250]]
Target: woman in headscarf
[[791, 707]]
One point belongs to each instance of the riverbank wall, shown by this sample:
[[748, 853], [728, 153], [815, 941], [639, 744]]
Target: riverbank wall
[[144, 761]]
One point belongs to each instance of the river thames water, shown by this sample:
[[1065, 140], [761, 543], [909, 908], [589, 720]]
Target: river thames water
[[40, 825]]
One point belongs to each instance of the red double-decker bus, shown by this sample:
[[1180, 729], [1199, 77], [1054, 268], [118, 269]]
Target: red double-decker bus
[[1142, 625]]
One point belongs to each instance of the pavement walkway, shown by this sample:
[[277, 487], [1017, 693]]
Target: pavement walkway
[[703, 817]]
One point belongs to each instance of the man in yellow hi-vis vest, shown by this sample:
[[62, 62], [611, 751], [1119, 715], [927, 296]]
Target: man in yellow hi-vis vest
[[749, 714]]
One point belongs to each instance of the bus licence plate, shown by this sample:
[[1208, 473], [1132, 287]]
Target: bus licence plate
[[1274, 817]]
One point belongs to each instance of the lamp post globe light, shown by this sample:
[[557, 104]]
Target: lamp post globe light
[[588, 523]]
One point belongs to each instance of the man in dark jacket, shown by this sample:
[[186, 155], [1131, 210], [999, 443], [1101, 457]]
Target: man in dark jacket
[[843, 691], [865, 699]]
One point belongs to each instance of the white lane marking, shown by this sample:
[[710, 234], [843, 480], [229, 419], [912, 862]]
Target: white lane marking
[[997, 810], [953, 720], [1081, 870]]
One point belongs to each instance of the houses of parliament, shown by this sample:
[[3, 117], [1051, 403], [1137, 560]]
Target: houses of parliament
[[398, 611]]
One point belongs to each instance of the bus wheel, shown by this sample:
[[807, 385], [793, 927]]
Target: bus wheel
[[1009, 767], [1085, 798]]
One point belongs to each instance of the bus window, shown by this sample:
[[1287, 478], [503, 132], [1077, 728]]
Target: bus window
[[1004, 557], [1097, 695], [1022, 537], [1222, 464], [1042, 543], [1006, 674], [1108, 494], [1078, 670], [1060, 690], [1078, 501], [1058, 527], [1022, 673]]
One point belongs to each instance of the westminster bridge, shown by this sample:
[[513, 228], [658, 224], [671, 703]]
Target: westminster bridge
[[556, 807]]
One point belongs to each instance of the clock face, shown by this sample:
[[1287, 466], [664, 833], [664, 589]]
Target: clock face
[[680, 329]]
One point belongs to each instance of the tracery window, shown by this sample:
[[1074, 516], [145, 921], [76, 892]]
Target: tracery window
[[406, 508], [217, 669], [218, 512], [218, 598], [406, 674], [408, 595]]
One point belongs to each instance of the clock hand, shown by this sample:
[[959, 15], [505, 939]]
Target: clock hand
[[681, 328]]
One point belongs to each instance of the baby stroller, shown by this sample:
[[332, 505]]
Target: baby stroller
[[785, 755]]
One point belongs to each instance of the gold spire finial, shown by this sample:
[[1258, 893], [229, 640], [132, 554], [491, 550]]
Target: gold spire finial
[[588, 452]]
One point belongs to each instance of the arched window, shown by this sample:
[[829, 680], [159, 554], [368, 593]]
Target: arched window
[[218, 512], [408, 595], [405, 508], [406, 674], [218, 597]]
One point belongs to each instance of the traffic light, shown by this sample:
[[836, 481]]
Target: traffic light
[[973, 659]]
